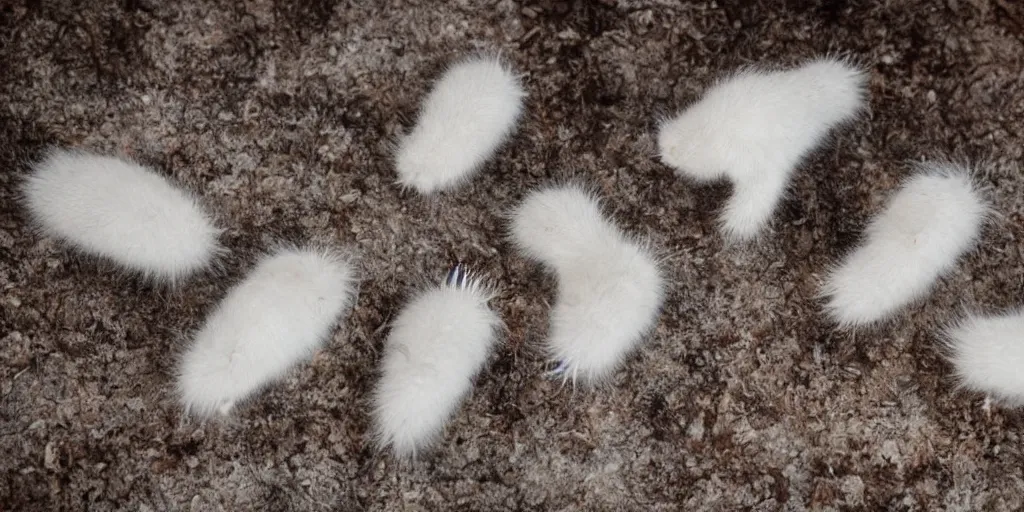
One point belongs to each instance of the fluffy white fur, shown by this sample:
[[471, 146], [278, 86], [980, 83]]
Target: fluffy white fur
[[609, 287], [276, 317], [927, 225], [120, 211], [754, 128], [988, 354], [438, 343], [469, 113]]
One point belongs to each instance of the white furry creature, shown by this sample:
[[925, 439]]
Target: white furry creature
[[437, 344], [988, 355], [277, 316], [469, 113], [754, 128], [120, 211], [927, 225], [609, 287]]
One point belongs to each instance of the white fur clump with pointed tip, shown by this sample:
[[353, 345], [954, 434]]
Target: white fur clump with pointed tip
[[122, 212], [276, 317], [609, 287], [754, 128], [438, 343], [928, 224], [987, 353], [466, 117]]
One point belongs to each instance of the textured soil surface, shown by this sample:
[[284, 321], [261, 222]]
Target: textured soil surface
[[281, 115]]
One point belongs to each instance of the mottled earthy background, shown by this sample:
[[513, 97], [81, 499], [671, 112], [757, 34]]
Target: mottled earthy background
[[281, 116]]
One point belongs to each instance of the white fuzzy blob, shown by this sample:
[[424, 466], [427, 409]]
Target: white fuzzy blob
[[927, 225], [120, 211], [609, 287], [437, 344], [555, 226], [988, 354], [273, 319], [469, 113], [754, 129]]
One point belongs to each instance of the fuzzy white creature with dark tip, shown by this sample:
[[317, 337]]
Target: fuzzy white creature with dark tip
[[988, 355], [609, 287], [277, 316], [928, 224], [754, 128], [466, 117], [120, 211], [438, 343]]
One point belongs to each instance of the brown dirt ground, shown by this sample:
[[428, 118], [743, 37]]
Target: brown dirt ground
[[281, 115]]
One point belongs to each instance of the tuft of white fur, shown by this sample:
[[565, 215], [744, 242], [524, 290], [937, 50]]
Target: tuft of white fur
[[466, 117], [926, 226], [609, 287], [120, 211], [988, 355], [754, 129], [437, 344], [274, 318]]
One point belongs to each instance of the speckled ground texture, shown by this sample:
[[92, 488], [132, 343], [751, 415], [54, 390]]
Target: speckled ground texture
[[281, 116]]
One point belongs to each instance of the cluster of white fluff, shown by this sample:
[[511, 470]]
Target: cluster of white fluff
[[753, 129], [134, 217], [610, 288]]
